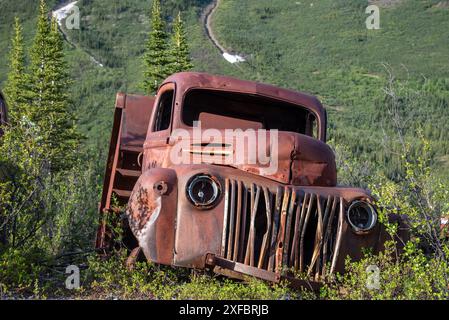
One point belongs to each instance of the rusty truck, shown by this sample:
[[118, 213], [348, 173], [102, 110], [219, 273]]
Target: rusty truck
[[236, 218]]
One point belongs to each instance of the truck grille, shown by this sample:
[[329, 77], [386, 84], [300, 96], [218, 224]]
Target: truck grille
[[287, 230]]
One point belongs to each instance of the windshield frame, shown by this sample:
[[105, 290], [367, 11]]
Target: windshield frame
[[321, 118]]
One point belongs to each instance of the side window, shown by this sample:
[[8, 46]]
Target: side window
[[164, 111], [312, 126]]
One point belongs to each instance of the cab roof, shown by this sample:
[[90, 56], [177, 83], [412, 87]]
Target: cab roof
[[196, 80]]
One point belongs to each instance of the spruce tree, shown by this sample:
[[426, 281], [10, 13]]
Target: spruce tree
[[179, 51], [50, 105], [156, 58], [39, 66], [15, 89], [65, 136]]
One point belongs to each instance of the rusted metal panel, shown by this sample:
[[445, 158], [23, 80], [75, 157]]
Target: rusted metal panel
[[152, 214], [130, 125], [301, 160]]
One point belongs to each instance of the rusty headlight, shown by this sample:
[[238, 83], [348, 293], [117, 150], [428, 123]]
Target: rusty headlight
[[362, 216], [203, 191]]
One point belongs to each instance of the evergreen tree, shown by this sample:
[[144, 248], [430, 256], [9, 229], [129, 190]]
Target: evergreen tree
[[179, 51], [15, 89], [39, 66], [156, 58], [65, 137], [49, 109]]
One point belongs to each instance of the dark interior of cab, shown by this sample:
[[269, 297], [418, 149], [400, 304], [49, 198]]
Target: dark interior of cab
[[230, 110]]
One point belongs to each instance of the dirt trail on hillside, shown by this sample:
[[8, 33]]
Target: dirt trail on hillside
[[60, 6], [207, 21]]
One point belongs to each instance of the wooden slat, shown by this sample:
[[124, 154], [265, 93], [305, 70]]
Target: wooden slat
[[250, 258], [225, 219], [281, 232], [300, 215], [318, 238], [264, 247], [231, 222], [303, 233], [288, 228], [339, 237], [276, 216], [238, 220], [122, 193], [129, 173], [327, 233], [242, 247]]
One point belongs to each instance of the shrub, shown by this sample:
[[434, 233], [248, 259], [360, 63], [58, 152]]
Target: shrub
[[413, 276]]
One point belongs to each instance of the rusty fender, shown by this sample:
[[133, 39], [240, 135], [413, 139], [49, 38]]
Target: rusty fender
[[152, 214]]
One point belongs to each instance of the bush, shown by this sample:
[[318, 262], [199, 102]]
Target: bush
[[412, 276], [19, 271]]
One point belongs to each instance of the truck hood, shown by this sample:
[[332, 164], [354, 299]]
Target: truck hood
[[286, 157]]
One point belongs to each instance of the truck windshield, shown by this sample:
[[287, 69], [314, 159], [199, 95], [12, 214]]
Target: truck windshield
[[229, 110]]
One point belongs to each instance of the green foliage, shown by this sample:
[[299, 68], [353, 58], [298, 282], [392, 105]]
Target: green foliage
[[420, 195], [412, 276], [106, 278], [42, 179], [351, 171], [23, 170], [40, 58], [49, 101], [16, 84], [416, 190], [20, 270], [156, 58], [179, 49]]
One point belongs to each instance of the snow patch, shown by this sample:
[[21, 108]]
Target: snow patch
[[63, 12], [233, 58]]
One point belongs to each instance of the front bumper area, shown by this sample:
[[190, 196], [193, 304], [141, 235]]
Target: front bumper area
[[258, 226]]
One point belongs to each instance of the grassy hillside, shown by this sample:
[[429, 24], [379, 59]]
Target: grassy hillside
[[322, 47]]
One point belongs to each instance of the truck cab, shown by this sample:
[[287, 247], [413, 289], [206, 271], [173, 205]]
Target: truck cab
[[234, 176]]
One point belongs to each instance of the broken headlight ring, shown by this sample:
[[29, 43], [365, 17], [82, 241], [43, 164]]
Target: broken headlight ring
[[203, 191], [362, 216]]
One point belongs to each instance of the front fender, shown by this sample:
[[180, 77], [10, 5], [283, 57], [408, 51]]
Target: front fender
[[152, 213]]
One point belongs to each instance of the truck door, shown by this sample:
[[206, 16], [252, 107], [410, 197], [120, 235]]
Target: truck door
[[156, 147]]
